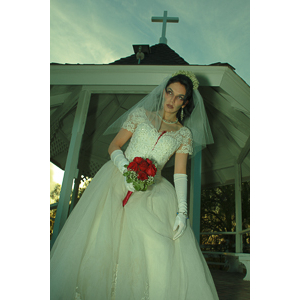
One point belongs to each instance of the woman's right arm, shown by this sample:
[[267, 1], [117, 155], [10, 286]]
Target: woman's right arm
[[117, 156], [120, 139]]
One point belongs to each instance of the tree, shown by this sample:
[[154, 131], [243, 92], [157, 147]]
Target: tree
[[218, 215], [54, 198]]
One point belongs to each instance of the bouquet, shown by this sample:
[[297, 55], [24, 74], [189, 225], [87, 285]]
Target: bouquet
[[141, 173]]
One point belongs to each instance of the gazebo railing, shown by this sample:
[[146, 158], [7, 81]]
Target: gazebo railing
[[233, 260], [240, 233]]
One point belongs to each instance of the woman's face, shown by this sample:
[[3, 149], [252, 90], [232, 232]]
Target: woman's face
[[174, 96]]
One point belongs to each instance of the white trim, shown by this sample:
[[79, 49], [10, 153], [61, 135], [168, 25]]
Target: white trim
[[131, 74]]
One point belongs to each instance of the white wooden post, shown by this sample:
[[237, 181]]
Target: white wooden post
[[71, 163], [195, 194], [238, 208], [75, 192]]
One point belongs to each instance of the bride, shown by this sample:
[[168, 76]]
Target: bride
[[145, 249]]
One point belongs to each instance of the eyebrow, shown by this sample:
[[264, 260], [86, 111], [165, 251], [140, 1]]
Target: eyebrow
[[173, 91]]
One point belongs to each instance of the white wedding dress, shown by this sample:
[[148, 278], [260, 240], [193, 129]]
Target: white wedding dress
[[107, 251]]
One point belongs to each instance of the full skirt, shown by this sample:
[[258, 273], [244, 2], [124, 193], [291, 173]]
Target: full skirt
[[107, 251]]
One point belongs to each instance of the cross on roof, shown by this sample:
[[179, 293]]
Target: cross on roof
[[164, 19]]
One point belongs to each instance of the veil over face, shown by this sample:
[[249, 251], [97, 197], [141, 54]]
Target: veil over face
[[153, 103]]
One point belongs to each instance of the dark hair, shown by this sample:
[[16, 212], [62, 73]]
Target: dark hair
[[187, 83]]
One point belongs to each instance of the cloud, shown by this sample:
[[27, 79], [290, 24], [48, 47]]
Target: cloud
[[213, 31], [81, 38], [104, 31]]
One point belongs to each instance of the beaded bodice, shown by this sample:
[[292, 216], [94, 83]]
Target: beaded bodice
[[147, 142]]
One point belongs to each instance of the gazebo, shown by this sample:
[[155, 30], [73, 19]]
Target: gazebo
[[86, 99]]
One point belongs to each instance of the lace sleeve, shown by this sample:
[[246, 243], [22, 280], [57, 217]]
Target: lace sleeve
[[136, 117], [186, 142]]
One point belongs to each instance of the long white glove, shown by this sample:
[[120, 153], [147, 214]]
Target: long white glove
[[120, 161], [180, 182]]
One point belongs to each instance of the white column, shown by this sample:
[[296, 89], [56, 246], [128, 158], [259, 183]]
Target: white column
[[72, 162], [75, 192], [195, 194], [238, 208]]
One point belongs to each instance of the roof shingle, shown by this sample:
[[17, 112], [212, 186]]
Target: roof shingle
[[160, 54]]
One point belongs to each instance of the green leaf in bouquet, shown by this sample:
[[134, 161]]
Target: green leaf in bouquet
[[137, 186], [142, 186]]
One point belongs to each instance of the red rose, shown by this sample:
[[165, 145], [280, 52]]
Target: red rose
[[151, 170], [143, 165], [138, 160], [149, 161], [133, 166], [142, 175]]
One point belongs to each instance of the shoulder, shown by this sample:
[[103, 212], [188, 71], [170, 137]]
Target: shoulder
[[186, 132], [138, 111], [186, 141], [134, 118]]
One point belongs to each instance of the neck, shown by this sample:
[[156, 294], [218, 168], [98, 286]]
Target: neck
[[169, 117]]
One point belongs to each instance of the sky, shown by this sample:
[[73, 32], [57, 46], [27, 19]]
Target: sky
[[102, 31]]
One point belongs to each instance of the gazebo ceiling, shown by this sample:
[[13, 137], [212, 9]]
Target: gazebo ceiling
[[116, 88]]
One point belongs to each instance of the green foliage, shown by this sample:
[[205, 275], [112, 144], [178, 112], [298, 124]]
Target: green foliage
[[218, 215], [54, 195], [140, 185], [84, 184], [54, 198]]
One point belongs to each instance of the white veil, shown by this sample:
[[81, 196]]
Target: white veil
[[153, 103]]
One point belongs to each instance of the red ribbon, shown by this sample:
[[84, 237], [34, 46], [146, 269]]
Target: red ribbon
[[127, 198], [159, 138]]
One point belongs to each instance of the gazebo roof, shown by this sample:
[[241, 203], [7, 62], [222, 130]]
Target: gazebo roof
[[118, 86], [160, 54]]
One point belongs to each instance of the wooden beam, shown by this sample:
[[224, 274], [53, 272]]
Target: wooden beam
[[232, 145], [71, 163], [120, 89], [238, 208], [58, 100], [221, 165], [244, 152], [68, 104], [237, 89], [116, 75], [212, 97], [221, 177]]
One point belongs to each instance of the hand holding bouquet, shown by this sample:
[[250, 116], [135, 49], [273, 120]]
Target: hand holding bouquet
[[141, 173]]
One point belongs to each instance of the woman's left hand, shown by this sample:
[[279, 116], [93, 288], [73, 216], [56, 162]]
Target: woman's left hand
[[180, 223]]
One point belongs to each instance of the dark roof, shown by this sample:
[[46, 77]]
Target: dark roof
[[223, 64], [160, 54]]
